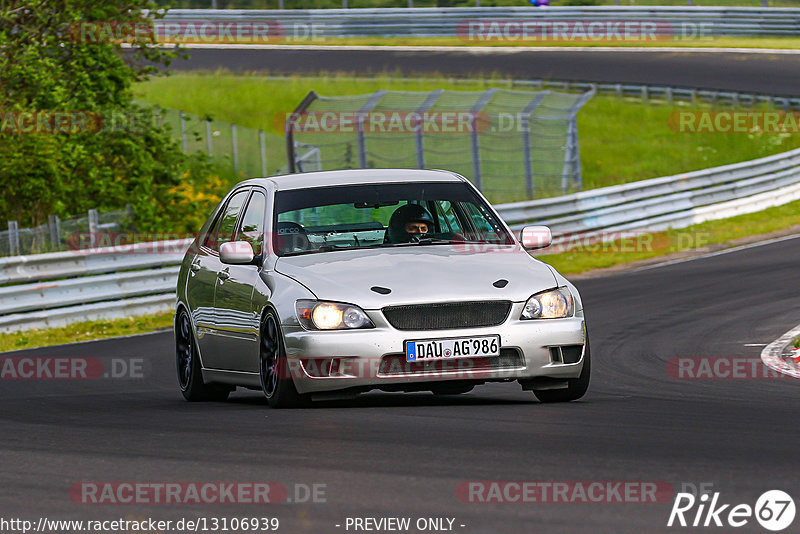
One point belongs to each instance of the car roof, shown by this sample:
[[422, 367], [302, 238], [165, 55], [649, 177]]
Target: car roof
[[355, 176]]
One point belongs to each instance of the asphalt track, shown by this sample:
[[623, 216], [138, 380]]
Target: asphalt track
[[777, 74], [405, 454]]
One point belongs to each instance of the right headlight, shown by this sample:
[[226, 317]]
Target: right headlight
[[552, 304], [320, 315]]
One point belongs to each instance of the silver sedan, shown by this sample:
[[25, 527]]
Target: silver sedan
[[329, 284]]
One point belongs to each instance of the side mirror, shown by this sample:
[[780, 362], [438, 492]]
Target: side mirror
[[236, 253], [534, 237]]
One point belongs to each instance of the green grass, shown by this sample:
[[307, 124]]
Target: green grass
[[621, 140], [796, 342], [85, 331], [700, 42], [700, 236]]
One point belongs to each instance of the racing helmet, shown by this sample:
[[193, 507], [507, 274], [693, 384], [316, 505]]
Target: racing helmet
[[403, 215]]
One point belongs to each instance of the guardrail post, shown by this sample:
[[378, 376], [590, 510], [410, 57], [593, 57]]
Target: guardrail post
[[235, 148], [263, 146], [209, 144], [280, 4], [669, 95], [93, 228], [618, 90], [13, 238], [55, 231], [183, 130], [645, 94]]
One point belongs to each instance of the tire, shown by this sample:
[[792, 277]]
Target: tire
[[577, 386], [276, 379], [190, 377]]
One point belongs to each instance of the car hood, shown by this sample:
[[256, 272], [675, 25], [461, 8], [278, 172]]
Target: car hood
[[417, 274]]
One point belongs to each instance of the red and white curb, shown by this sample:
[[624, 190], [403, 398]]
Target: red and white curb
[[774, 357]]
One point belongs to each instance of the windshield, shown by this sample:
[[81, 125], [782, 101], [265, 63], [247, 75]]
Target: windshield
[[327, 219]]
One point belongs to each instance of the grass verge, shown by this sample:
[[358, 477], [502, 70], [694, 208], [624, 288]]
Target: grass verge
[[621, 140], [796, 342], [85, 331], [711, 235]]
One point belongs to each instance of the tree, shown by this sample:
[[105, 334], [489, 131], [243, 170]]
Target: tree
[[71, 137]]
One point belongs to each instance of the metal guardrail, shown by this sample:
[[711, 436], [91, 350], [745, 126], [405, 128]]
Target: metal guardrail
[[656, 204], [668, 202], [682, 22]]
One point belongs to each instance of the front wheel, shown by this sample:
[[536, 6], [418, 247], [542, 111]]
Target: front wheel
[[577, 386], [190, 377], [276, 378]]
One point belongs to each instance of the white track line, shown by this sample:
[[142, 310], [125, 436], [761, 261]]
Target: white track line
[[491, 49], [717, 253], [772, 355]]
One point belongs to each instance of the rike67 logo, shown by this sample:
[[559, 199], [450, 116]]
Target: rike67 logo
[[774, 510]]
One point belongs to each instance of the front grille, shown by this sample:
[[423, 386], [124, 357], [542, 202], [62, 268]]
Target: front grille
[[396, 364], [447, 315]]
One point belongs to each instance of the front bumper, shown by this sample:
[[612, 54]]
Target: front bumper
[[374, 358]]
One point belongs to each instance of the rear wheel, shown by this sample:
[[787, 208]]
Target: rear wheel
[[577, 386], [276, 378], [190, 377]]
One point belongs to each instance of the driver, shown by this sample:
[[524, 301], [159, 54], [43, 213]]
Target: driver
[[407, 223]]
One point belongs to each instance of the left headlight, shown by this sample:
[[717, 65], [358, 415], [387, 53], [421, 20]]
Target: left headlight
[[321, 315], [553, 304]]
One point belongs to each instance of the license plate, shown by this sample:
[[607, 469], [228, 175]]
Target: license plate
[[459, 347]]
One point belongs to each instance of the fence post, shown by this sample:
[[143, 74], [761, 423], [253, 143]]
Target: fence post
[[55, 232], [669, 95], [13, 238], [410, 3], [365, 109], [572, 158], [477, 179], [92, 228], [525, 120], [209, 144], [263, 146], [280, 4], [235, 148], [183, 130], [419, 132]]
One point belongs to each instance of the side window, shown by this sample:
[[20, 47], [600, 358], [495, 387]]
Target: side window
[[447, 218], [227, 223], [252, 226]]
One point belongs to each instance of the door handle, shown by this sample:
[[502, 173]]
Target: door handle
[[223, 275], [195, 267]]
